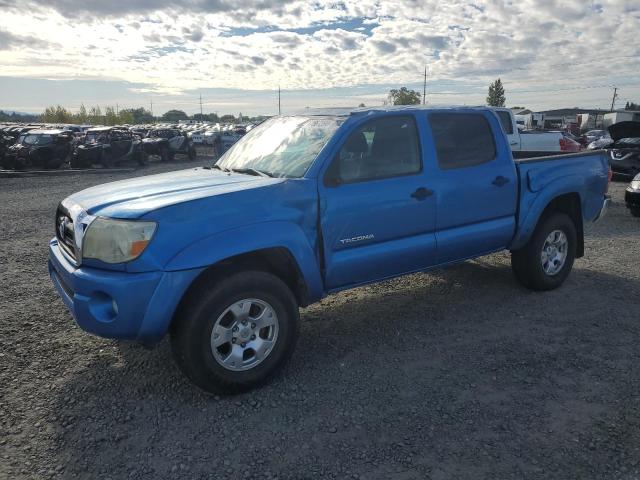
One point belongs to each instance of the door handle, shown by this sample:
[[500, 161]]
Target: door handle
[[499, 181], [513, 143], [422, 193]]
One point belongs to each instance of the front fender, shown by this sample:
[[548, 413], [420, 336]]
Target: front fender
[[250, 238]]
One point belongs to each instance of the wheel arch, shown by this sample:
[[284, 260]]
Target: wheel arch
[[278, 261], [569, 203]]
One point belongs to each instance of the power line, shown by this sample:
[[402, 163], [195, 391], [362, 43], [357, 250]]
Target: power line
[[424, 87]]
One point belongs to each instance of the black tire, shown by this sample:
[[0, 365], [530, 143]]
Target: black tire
[[107, 159], [165, 155], [635, 212], [526, 262], [75, 162], [53, 164], [193, 324], [142, 158]]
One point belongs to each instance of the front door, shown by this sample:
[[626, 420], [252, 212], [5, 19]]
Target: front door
[[377, 213]]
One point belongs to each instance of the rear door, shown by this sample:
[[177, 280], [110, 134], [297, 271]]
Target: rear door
[[377, 214], [476, 184]]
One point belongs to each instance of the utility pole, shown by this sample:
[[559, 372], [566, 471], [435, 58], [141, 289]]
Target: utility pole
[[117, 110], [424, 87], [152, 110], [200, 106], [615, 95], [279, 111]]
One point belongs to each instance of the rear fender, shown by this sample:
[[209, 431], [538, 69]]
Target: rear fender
[[537, 195], [251, 238]]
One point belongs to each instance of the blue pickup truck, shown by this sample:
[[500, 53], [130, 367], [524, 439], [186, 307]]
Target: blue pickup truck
[[222, 257]]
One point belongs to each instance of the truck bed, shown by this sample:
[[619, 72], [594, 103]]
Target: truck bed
[[583, 176]]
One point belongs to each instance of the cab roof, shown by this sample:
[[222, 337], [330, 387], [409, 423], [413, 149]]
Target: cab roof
[[347, 111]]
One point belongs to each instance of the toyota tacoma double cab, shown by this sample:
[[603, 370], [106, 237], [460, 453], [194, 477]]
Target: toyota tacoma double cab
[[222, 257]]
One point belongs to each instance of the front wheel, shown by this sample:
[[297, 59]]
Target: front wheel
[[546, 261], [142, 158], [236, 332]]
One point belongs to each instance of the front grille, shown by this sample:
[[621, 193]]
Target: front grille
[[65, 232]]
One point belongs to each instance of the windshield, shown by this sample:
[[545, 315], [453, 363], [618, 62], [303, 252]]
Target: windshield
[[631, 141], [95, 137], [37, 139], [282, 146]]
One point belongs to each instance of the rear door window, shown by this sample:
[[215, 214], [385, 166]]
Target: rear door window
[[462, 139]]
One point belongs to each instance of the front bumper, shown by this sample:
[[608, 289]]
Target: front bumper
[[603, 210], [121, 305], [632, 198]]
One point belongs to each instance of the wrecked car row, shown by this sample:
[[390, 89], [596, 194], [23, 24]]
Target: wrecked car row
[[27, 147]]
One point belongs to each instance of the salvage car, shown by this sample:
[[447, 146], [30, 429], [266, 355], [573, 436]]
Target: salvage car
[[108, 146], [632, 196], [624, 152], [38, 149], [5, 142], [222, 257], [533, 143], [168, 142]]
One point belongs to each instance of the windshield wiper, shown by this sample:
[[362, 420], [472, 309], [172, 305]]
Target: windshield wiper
[[252, 171], [218, 167]]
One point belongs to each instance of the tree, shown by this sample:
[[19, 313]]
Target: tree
[[362, 105], [632, 106], [404, 96], [95, 115], [110, 117], [496, 96], [174, 116], [136, 115], [82, 114], [228, 119]]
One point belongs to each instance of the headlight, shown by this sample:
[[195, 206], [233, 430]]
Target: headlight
[[116, 241], [635, 185]]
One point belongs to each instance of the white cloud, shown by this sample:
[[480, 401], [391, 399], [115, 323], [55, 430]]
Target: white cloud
[[175, 46]]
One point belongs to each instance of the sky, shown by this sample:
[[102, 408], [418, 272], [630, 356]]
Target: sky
[[235, 53]]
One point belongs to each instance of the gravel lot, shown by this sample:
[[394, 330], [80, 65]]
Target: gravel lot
[[454, 374]]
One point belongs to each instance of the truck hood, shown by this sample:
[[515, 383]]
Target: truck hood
[[624, 130], [135, 197]]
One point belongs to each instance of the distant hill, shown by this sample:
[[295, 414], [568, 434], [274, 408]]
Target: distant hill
[[13, 116]]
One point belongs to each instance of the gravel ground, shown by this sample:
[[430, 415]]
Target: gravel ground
[[454, 374]]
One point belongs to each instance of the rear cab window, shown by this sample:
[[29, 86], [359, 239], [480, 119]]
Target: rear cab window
[[462, 140], [505, 121]]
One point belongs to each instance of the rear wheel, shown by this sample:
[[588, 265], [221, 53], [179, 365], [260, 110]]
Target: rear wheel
[[164, 154], [546, 261], [75, 162], [234, 334], [53, 163], [107, 160], [142, 158]]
